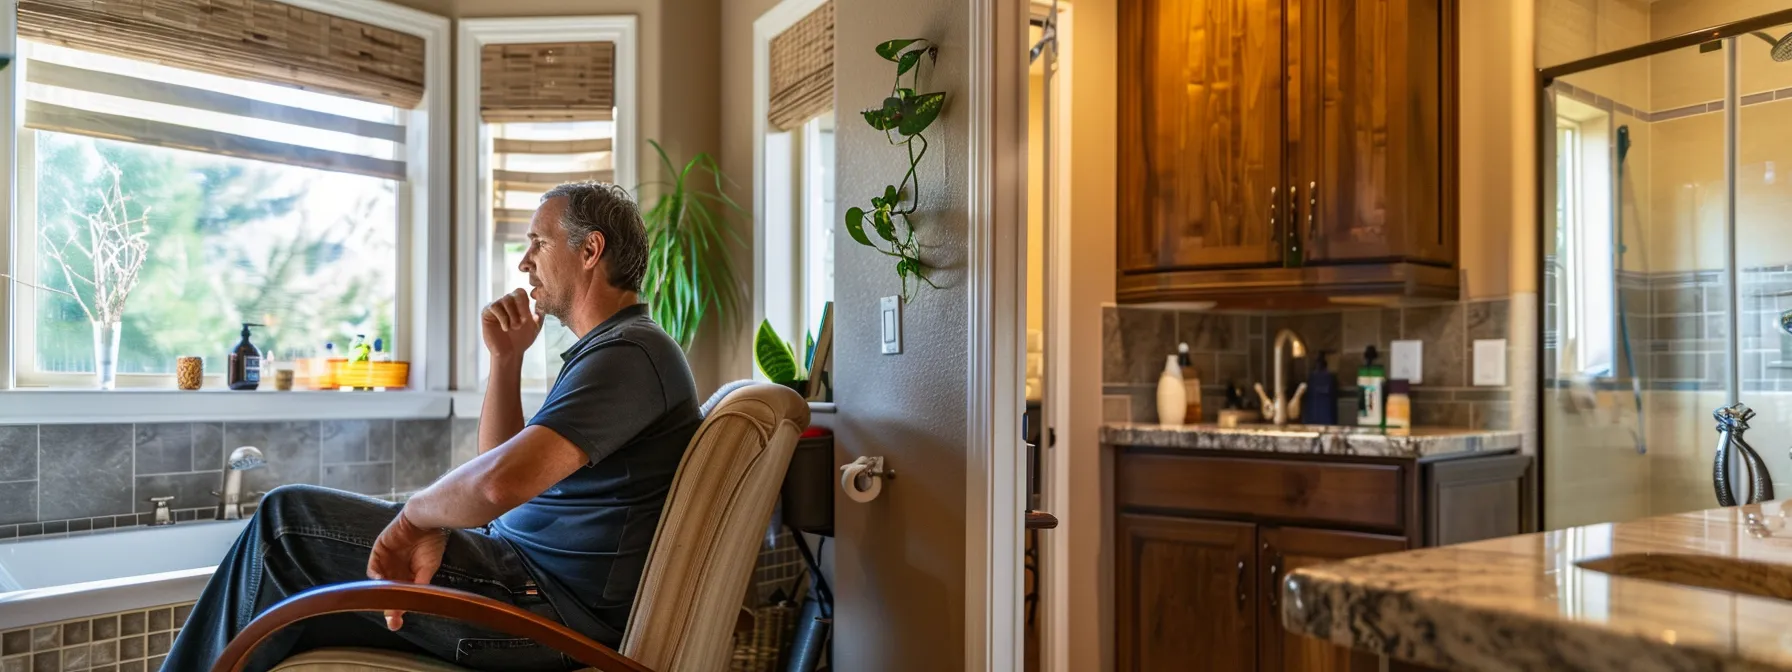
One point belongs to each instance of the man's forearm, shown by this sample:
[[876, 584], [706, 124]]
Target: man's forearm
[[455, 501], [501, 415]]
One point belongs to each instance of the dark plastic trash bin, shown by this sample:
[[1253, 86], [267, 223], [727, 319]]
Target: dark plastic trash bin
[[808, 495]]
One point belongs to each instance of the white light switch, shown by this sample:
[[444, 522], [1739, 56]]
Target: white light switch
[[1406, 361], [891, 309], [1490, 362]]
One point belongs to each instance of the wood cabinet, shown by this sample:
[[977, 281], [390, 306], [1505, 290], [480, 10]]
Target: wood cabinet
[[1277, 148], [1204, 540]]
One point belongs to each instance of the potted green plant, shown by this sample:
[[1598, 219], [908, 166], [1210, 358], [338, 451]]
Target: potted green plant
[[690, 273]]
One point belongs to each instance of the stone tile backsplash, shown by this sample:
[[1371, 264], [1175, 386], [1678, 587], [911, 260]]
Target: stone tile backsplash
[[132, 641], [1237, 348], [57, 479]]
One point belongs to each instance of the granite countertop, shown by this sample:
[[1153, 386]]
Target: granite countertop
[[1422, 442], [1571, 599]]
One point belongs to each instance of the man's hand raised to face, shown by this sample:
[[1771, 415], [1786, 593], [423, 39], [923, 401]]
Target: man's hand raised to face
[[510, 325]]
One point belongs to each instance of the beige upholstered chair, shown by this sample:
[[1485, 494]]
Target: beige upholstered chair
[[697, 570]]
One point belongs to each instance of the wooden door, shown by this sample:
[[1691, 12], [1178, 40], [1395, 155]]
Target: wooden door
[[1184, 597], [1285, 549], [1201, 129], [1375, 109]]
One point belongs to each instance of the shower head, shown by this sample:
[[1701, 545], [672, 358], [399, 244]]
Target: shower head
[[1782, 48], [246, 458]]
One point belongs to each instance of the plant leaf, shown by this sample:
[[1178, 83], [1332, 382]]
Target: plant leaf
[[891, 197], [890, 49], [773, 355], [855, 226], [919, 113], [886, 229]]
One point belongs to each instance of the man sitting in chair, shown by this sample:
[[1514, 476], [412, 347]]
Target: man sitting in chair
[[555, 517]]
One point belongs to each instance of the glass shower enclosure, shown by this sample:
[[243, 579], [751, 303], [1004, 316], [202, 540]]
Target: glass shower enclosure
[[1666, 291]]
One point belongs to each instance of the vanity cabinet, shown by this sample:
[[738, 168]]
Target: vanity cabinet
[[1204, 538], [1253, 131]]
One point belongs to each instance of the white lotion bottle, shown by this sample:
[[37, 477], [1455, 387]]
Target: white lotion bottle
[[1172, 399]]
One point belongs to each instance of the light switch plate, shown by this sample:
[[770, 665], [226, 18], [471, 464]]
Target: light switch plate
[[1490, 362], [890, 317], [1406, 361]]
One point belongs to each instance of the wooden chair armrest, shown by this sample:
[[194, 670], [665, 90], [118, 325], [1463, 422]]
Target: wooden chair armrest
[[420, 599]]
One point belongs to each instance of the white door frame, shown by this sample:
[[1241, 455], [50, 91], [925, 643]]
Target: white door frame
[[995, 466]]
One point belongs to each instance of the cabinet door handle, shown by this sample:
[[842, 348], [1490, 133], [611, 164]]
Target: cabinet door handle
[[1313, 211], [1275, 230], [1293, 213], [1275, 577], [1241, 586]]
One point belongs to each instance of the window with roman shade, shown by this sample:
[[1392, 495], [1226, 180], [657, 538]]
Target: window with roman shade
[[264, 144], [549, 112], [802, 70]]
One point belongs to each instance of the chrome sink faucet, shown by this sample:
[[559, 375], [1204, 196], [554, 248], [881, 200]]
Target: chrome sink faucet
[[1278, 409], [229, 501]]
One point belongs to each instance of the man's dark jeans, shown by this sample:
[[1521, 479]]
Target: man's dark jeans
[[305, 536]]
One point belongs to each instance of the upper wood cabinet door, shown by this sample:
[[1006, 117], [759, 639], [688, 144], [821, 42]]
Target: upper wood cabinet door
[[1284, 549], [1374, 93], [1184, 594], [1201, 130]]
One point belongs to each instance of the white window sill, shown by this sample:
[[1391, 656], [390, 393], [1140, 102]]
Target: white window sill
[[468, 404], [60, 407]]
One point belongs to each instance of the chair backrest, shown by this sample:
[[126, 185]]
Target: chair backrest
[[709, 533]]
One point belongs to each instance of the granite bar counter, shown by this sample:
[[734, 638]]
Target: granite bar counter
[[1707, 590], [1416, 443]]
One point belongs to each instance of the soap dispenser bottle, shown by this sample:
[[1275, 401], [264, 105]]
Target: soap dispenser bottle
[[1172, 402], [1371, 381], [1322, 395], [245, 363]]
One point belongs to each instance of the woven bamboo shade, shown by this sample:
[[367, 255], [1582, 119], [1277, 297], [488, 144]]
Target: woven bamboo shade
[[258, 40], [565, 81], [802, 69]]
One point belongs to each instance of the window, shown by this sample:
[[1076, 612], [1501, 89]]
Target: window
[[1585, 240], [542, 101], [263, 203], [796, 169]]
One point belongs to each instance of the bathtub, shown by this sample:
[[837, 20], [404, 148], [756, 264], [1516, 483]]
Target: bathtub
[[57, 578]]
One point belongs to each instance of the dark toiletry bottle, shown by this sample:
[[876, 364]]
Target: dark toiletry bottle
[[1321, 407], [245, 363]]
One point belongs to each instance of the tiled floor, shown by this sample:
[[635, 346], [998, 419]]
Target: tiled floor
[[132, 641]]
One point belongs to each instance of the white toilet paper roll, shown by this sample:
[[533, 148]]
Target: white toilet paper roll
[[849, 481]]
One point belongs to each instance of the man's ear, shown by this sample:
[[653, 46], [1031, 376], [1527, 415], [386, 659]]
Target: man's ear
[[592, 251]]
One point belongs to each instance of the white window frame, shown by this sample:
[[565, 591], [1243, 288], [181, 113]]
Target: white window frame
[[780, 269], [422, 302], [472, 179], [1591, 259]]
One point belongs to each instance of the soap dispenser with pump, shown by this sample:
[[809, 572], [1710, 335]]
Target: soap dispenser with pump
[[245, 363], [1322, 395], [1172, 401]]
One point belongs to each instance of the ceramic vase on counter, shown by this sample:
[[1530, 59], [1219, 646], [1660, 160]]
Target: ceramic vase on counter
[[105, 353]]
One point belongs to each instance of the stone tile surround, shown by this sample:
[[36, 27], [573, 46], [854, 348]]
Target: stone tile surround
[[80, 479], [131, 641]]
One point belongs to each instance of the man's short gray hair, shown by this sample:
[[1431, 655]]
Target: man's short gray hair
[[609, 210]]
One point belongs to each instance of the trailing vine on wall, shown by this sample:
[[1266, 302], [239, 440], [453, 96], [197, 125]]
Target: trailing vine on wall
[[903, 117]]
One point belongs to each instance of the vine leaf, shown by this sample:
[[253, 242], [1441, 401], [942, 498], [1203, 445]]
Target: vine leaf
[[891, 198], [855, 226], [919, 112], [885, 118], [886, 229], [908, 60], [890, 49]]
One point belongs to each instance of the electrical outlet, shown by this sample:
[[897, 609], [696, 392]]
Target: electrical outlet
[[1406, 361], [1490, 362], [890, 308]]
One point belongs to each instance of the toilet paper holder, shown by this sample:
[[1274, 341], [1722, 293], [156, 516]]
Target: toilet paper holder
[[863, 478]]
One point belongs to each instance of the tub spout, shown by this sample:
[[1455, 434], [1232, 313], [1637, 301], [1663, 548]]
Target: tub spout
[[230, 499]]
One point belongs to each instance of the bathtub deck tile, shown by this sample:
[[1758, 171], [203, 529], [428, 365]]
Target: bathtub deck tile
[[131, 666], [16, 664], [74, 633], [104, 668], [159, 643], [104, 628], [155, 663], [102, 523], [15, 641], [104, 653], [46, 638], [80, 525], [75, 658], [130, 648], [161, 619], [8, 531], [48, 660], [180, 615], [131, 624], [31, 529]]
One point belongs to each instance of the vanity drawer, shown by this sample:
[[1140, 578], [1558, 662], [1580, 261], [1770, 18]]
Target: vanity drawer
[[1353, 494]]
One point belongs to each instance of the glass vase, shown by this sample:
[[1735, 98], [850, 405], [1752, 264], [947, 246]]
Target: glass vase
[[105, 353]]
